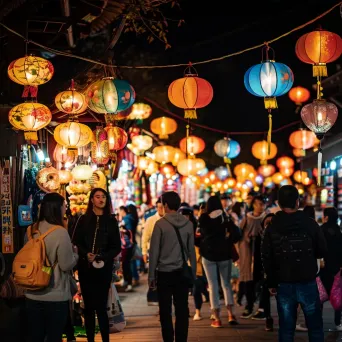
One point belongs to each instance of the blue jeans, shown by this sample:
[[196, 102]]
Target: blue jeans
[[289, 295]]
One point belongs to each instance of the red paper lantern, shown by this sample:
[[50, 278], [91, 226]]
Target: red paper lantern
[[117, 138], [318, 48], [192, 145], [299, 95]]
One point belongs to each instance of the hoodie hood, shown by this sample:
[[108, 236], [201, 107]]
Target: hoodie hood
[[177, 220], [216, 213], [290, 221]]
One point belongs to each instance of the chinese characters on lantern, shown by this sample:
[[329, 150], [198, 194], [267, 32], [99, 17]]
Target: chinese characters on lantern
[[6, 211]]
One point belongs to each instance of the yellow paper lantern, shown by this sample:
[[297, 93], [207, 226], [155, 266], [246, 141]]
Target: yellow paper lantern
[[164, 154], [163, 127], [260, 151], [143, 163], [71, 101], [179, 155], [73, 134], [190, 166], [30, 71], [82, 172], [30, 117], [152, 167], [142, 142], [65, 176], [140, 111]]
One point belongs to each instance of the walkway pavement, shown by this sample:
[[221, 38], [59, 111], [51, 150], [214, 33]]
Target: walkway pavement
[[143, 324]]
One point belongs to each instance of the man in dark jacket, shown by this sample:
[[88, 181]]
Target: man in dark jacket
[[292, 244]]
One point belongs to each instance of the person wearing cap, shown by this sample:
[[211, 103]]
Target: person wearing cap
[[226, 202]]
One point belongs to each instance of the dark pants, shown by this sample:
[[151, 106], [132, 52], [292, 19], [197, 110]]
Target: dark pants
[[289, 295], [69, 327], [247, 288], [46, 320], [170, 285], [95, 297], [200, 287], [126, 255], [265, 299]]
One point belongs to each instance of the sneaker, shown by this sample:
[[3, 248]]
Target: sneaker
[[232, 320], [300, 328], [246, 314], [197, 317], [269, 324], [216, 324], [259, 316], [129, 288]]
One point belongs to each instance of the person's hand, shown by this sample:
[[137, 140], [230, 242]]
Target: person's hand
[[91, 257], [75, 249], [273, 291], [321, 263], [152, 284], [145, 258]]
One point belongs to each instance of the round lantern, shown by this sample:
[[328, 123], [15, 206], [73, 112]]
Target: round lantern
[[299, 153], [153, 167], [318, 48], [190, 167], [299, 95], [30, 71], [140, 111], [62, 155], [222, 172], [266, 170], [190, 92], [231, 182], [65, 176], [82, 172], [319, 116], [72, 134], [243, 170], [142, 142], [178, 156], [143, 163], [287, 171], [110, 95], [285, 163], [260, 151], [117, 137], [30, 117], [164, 154], [71, 101], [299, 176], [192, 145], [277, 178], [302, 139], [227, 148], [163, 127], [269, 79]]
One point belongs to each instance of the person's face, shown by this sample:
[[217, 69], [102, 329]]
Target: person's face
[[225, 203], [249, 200], [122, 213], [196, 212], [99, 200], [160, 209], [258, 206]]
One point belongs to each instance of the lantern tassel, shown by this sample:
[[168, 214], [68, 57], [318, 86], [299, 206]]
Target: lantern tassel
[[30, 91], [269, 134], [320, 70], [229, 170], [190, 114], [319, 166], [270, 103]]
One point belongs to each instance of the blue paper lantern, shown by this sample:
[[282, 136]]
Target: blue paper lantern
[[269, 79], [227, 148]]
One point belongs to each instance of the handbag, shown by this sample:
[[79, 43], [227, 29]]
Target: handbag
[[188, 275], [323, 295], [116, 316], [336, 292], [10, 290]]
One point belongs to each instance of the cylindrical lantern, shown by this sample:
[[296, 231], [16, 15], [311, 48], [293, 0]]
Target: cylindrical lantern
[[140, 111], [163, 127], [285, 163], [266, 170], [73, 134], [30, 117], [62, 155], [302, 139], [260, 151], [71, 101], [117, 137], [192, 145], [190, 92], [318, 48], [299, 95], [82, 172], [164, 154], [190, 167], [30, 71], [110, 95]]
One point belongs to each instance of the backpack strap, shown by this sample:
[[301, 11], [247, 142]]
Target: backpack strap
[[30, 232], [43, 236]]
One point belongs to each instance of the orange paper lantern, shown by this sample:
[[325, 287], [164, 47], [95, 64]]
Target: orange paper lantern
[[277, 178], [299, 95], [192, 145], [62, 155], [299, 176], [266, 170], [163, 127], [287, 171], [190, 166], [260, 151], [140, 111], [299, 153], [164, 154], [285, 162], [117, 138], [318, 48], [302, 139]]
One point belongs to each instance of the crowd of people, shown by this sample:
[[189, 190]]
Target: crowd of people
[[241, 253]]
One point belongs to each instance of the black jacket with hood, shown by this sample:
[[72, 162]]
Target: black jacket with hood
[[280, 270], [219, 233]]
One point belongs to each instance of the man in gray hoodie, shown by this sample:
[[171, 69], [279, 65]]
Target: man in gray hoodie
[[166, 267]]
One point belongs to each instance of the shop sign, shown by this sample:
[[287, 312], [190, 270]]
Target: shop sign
[[6, 210]]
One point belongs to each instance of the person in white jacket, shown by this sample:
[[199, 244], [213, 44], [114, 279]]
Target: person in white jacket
[[148, 228]]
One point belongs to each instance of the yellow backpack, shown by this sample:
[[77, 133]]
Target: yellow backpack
[[31, 268]]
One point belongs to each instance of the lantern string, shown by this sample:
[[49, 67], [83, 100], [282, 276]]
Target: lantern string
[[65, 54]]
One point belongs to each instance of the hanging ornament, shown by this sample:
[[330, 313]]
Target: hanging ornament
[[163, 127], [299, 95], [62, 155], [190, 93], [192, 145], [266, 170], [117, 137], [99, 147], [260, 151], [269, 79], [140, 111]]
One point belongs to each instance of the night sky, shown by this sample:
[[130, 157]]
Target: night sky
[[211, 30]]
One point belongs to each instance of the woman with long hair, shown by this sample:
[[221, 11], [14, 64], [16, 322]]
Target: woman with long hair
[[47, 309], [218, 233], [98, 240]]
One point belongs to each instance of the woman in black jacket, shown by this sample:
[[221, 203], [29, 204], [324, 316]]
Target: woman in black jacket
[[98, 240], [333, 259], [219, 234]]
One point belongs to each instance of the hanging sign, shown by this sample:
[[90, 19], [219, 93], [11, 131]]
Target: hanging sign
[[6, 211]]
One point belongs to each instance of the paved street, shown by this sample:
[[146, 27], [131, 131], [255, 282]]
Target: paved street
[[143, 324]]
